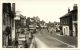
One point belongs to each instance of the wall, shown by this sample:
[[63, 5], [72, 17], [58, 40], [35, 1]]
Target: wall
[[75, 29]]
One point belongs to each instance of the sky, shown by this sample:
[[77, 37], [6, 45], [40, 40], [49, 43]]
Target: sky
[[47, 10]]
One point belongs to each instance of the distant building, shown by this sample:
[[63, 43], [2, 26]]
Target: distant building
[[68, 22], [28, 22], [43, 24], [23, 21], [31, 24], [37, 19]]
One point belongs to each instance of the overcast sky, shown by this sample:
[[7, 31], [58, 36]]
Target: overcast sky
[[47, 10]]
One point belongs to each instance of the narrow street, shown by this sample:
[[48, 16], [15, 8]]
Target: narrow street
[[44, 40]]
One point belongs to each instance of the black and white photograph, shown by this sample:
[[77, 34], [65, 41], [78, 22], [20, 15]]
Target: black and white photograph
[[40, 24]]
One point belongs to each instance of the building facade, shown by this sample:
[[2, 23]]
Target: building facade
[[68, 22], [8, 14]]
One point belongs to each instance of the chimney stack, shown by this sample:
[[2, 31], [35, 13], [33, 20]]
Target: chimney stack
[[6, 7], [75, 7], [13, 9], [68, 10]]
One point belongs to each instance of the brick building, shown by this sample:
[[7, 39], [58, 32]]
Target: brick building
[[68, 22]]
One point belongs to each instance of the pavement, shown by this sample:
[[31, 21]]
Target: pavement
[[55, 41]]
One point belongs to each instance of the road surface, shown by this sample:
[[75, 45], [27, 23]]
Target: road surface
[[43, 40]]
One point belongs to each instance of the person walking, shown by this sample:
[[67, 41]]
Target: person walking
[[51, 30], [47, 29], [16, 43]]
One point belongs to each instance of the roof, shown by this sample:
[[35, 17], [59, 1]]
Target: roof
[[66, 15]]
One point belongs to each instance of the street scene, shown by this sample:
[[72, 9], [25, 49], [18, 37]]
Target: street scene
[[21, 31]]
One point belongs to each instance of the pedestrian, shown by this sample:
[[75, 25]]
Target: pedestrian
[[26, 44], [47, 29], [16, 43], [8, 30], [30, 38], [30, 35], [51, 30]]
